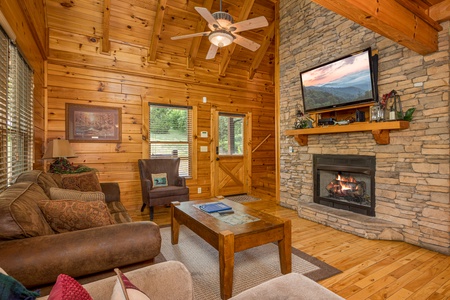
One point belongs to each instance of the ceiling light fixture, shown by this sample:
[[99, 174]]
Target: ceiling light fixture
[[221, 38]]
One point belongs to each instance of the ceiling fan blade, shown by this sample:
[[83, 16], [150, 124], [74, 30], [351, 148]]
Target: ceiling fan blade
[[244, 42], [249, 24], [212, 51], [205, 13], [186, 36]]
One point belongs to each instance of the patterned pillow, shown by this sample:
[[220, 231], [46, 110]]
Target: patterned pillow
[[67, 288], [124, 289], [159, 179], [71, 215], [60, 194], [85, 182]]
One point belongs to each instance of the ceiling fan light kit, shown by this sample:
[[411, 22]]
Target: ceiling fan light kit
[[221, 38], [222, 26]]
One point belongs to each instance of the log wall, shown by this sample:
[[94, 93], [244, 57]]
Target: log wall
[[78, 74]]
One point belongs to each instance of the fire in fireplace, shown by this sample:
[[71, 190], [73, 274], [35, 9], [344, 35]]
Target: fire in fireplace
[[345, 182], [347, 188]]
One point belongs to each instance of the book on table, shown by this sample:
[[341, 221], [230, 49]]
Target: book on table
[[214, 207]]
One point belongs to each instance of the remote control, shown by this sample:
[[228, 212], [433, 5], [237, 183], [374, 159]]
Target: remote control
[[226, 212]]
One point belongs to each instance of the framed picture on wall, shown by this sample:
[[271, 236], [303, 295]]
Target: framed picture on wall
[[88, 123]]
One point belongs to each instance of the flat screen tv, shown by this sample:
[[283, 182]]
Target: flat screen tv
[[342, 82]]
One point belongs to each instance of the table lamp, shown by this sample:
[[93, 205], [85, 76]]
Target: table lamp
[[59, 150]]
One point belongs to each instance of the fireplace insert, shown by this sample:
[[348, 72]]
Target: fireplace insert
[[345, 182]]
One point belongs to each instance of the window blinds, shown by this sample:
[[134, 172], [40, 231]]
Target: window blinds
[[16, 113]]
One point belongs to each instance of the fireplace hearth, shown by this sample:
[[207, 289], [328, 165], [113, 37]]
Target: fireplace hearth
[[345, 182]]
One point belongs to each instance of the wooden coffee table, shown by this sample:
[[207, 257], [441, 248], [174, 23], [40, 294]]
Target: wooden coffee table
[[229, 239]]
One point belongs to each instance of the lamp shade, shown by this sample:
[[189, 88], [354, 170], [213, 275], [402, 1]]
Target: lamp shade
[[59, 148]]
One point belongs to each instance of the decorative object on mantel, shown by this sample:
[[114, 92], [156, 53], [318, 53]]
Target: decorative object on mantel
[[60, 150], [302, 120], [392, 106]]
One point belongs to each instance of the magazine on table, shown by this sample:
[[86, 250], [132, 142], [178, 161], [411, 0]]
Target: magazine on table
[[214, 207]]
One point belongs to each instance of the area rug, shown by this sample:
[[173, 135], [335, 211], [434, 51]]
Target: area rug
[[251, 267], [242, 198]]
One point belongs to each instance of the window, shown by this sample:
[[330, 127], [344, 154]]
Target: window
[[16, 113], [231, 134], [171, 134]]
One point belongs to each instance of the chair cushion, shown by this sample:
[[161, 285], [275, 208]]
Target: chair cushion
[[118, 212], [168, 191]]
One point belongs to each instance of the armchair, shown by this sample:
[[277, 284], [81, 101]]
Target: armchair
[[169, 190]]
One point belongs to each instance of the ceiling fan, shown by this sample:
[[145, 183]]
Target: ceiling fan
[[223, 30]]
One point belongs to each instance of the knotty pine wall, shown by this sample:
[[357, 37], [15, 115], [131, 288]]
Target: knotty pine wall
[[71, 82], [118, 162], [70, 69]]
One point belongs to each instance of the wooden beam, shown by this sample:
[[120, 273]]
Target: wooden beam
[[440, 12], [389, 19], [161, 8], [245, 12], [201, 25], [262, 50], [106, 44], [418, 11]]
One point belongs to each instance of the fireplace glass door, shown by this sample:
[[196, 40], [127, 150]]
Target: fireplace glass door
[[345, 182]]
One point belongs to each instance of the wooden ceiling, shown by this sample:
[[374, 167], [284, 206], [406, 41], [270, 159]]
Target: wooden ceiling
[[150, 24]]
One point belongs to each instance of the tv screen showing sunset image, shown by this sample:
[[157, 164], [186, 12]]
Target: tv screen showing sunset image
[[341, 82]]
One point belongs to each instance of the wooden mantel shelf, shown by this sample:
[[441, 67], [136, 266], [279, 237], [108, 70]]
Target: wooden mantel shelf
[[380, 130]]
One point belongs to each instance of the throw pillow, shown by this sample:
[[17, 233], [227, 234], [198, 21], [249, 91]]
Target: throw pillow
[[85, 182], [60, 194], [10, 288], [67, 288], [124, 289], [159, 179], [71, 215]]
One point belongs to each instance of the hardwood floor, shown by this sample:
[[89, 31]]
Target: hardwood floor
[[371, 269]]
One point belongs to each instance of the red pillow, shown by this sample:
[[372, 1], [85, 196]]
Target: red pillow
[[67, 288]]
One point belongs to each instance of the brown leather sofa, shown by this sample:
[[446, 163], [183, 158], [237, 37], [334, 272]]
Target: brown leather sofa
[[35, 255]]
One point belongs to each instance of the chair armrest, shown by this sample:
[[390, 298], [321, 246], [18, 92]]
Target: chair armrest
[[111, 191], [148, 184], [181, 181]]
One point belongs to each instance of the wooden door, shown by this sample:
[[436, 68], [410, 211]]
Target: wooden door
[[231, 165]]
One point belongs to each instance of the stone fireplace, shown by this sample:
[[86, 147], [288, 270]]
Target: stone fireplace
[[345, 182], [412, 172]]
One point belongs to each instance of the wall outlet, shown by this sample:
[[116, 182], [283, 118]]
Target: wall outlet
[[203, 148], [199, 190]]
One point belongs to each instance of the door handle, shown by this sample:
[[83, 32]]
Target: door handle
[[217, 158]]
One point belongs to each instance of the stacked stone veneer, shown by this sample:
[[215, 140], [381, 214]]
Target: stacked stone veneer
[[412, 172]]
